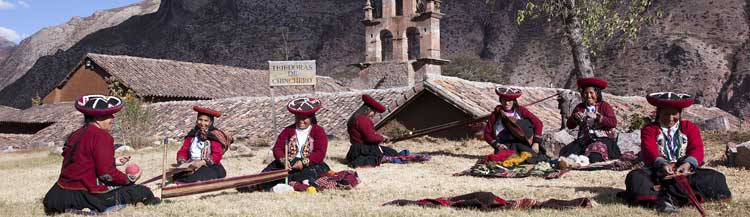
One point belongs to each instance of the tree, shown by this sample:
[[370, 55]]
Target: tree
[[589, 24], [284, 32]]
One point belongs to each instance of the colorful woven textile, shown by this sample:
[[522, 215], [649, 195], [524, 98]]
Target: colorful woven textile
[[416, 158], [487, 201], [495, 170]]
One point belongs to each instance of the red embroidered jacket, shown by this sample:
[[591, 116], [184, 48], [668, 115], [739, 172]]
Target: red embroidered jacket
[[489, 129], [607, 119], [216, 152], [93, 167], [319, 144], [652, 144], [363, 131]]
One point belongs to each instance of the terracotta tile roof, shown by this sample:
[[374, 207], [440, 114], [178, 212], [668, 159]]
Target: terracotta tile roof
[[39, 114], [479, 98], [13, 140], [246, 117], [6, 108], [169, 78]]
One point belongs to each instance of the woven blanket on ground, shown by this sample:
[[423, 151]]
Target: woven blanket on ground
[[487, 201], [495, 170], [416, 158], [345, 180]]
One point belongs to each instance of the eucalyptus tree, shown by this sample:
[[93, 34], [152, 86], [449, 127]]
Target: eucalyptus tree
[[588, 25]]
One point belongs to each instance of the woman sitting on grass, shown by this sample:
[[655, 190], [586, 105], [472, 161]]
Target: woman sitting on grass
[[203, 148], [671, 146], [366, 150], [596, 121], [515, 128], [300, 147], [88, 177]]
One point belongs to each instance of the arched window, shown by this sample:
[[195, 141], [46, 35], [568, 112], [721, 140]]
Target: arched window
[[399, 7], [377, 9], [412, 35], [421, 6], [386, 40]]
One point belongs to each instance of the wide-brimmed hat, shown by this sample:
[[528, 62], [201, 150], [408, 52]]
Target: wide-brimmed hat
[[508, 92], [207, 111], [99, 105], [374, 104], [588, 82], [305, 106], [670, 100]]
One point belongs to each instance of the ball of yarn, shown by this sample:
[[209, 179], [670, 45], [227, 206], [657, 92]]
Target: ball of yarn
[[132, 169], [311, 189]]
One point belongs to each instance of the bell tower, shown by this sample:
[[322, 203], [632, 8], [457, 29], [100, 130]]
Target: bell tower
[[403, 31]]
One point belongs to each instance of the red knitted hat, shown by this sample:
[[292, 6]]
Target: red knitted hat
[[99, 105], [374, 104], [508, 92], [304, 106], [587, 82], [670, 100], [209, 112]]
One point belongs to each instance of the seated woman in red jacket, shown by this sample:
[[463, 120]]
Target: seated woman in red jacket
[[366, 150], [596, 121], [88, 178], [305, 142], [526, 132], [669, 146], [203, 148]]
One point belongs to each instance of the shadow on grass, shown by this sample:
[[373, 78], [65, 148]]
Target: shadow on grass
[[717, 162], [340, 160], [603, 195], [450, 154], [221, 194], [241, 155]]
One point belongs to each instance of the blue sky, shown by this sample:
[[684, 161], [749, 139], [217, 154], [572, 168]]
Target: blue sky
[[22, 18]]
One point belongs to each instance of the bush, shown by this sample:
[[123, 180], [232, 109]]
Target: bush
[[134, 119], [472, 67], [638, 121], [36, 100]]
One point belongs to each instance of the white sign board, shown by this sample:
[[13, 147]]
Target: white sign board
[[286, 73]]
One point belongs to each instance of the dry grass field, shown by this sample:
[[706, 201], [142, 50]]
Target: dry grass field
[[27, 175]]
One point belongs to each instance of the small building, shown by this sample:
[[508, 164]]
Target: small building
[[444, 99], [159, 80], [34, 119]]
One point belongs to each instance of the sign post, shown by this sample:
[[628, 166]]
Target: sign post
[[289, 73]]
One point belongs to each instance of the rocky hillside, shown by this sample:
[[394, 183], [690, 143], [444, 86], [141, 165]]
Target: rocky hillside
[[5, 48], [51, 40], [698, 47]]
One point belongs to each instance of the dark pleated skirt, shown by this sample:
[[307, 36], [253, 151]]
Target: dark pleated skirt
[[361, 155], [519, 146], [59, 200], [706, 183], [202, 174], [578, 147]]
